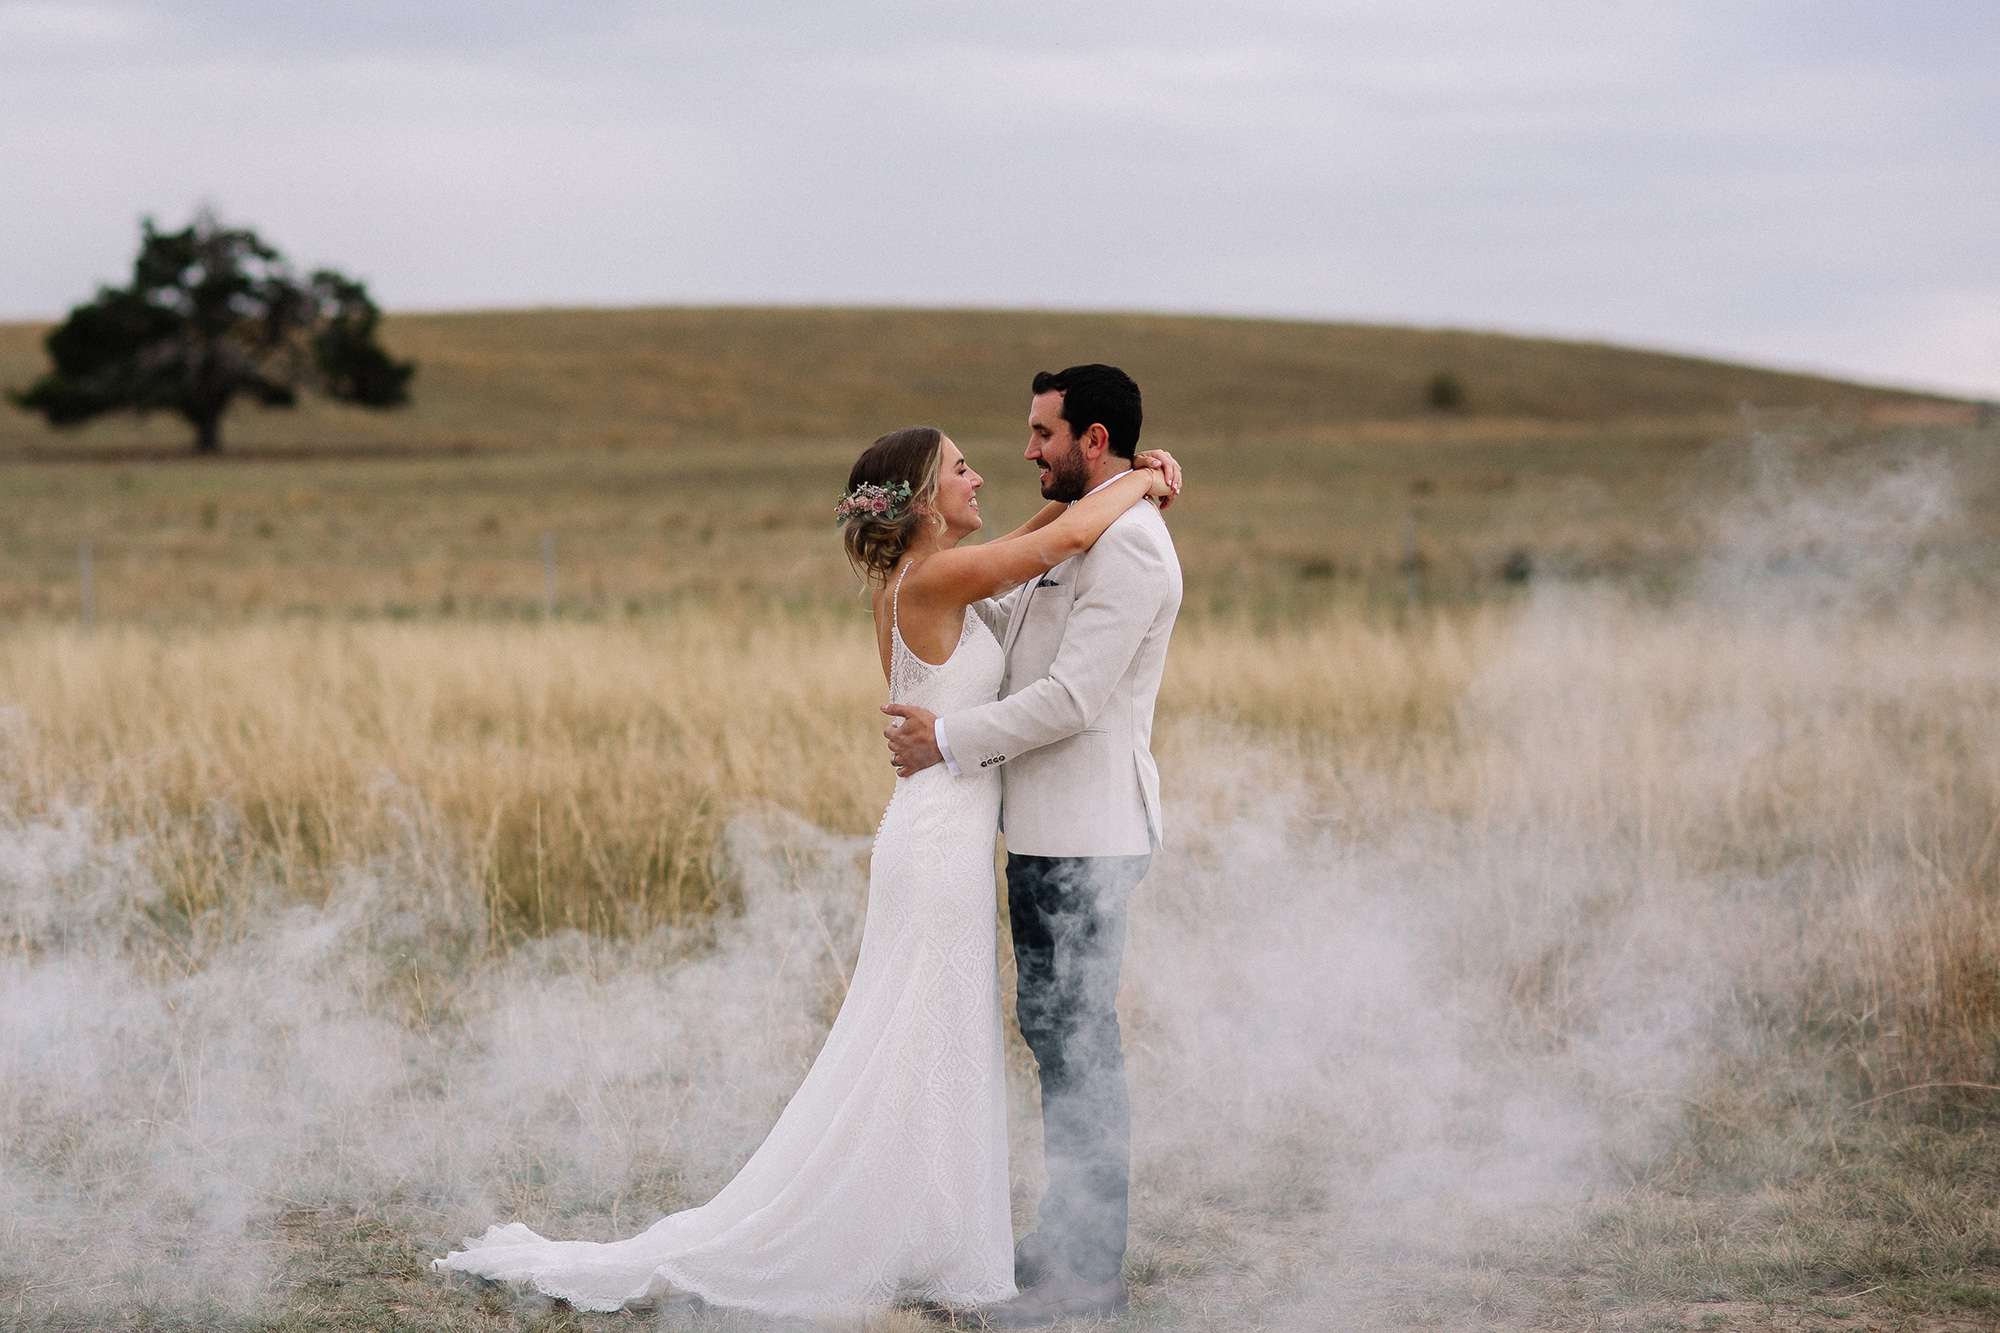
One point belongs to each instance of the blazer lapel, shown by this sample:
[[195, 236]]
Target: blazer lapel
[[1020, 617]]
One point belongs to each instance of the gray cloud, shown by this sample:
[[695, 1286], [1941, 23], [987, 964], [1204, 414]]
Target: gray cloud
[[1808, 184]]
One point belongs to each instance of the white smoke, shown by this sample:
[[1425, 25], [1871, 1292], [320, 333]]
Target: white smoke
[[374, 1054], [1387, 1015]]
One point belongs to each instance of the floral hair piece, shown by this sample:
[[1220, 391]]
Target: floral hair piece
[[872, 501]]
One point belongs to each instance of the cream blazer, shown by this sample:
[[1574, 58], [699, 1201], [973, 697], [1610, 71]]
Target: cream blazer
[[1072, 730]]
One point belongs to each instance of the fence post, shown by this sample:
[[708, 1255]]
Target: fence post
[[548, 576], [86, 587]]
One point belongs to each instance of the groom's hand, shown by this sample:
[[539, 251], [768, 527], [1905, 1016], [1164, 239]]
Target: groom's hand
[[913, 741]]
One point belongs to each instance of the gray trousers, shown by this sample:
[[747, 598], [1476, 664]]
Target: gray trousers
[[1068, 919]]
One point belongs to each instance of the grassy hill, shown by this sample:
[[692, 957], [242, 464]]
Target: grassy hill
[[647, 377], [695, 455]]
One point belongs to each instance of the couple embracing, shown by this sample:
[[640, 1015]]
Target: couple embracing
[[1022, 673]]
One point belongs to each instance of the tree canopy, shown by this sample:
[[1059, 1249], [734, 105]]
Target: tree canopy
[[213, 313]]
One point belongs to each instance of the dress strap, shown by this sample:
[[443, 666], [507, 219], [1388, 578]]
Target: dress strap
[[896, 598]]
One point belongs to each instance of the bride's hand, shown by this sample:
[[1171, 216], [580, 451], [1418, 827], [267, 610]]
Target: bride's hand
[[1167, 474]]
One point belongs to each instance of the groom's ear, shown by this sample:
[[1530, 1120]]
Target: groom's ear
[[1096, 440]]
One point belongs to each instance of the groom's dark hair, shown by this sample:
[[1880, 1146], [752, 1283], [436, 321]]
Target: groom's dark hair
[[1097, 395]]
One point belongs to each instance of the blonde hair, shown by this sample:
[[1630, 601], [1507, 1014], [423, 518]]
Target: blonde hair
[[875, 542]]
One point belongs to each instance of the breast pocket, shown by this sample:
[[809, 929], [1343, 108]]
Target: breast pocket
[[1040, 632], [1052, 601]]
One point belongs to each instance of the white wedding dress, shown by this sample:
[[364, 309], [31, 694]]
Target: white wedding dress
[[885, 1180]]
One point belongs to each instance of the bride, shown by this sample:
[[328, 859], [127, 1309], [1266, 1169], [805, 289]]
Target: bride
[[885, 1179]]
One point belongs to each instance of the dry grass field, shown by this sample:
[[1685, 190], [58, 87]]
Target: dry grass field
[[680, 455], [1608, 938]]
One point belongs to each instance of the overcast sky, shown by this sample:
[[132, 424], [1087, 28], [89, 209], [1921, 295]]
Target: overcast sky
[[1808, 184]]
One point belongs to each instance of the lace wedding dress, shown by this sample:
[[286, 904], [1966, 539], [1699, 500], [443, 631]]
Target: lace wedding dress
[[885, 1180]]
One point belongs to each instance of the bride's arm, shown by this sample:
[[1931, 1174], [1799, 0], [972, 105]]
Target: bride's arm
[[1044, 516], [1157, 459], [965, 574]]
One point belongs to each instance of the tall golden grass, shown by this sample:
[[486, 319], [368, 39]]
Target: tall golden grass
[[581, 773]]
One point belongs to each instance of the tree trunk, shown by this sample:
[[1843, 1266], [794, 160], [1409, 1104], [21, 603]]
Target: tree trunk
[[208, 394], [208, 433]]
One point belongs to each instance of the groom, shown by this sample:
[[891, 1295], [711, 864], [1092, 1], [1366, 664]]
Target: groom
[[1080, 804]]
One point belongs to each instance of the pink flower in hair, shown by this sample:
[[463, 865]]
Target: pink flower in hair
[[869, 498]]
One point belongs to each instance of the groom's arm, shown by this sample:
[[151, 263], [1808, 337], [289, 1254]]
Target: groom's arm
[[1118, 594], [917, 739]]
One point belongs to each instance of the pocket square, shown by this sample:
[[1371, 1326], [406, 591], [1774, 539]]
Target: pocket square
[[1047, 582]]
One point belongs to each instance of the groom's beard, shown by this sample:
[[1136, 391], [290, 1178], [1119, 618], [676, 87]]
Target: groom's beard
[[1069, 477]]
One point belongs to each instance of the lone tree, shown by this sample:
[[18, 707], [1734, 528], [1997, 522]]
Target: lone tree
[[214, 312]]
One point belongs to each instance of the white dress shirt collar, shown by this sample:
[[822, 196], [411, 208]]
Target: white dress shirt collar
[[1101, 485]]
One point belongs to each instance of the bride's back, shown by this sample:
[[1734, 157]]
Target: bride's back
[[928, 671]]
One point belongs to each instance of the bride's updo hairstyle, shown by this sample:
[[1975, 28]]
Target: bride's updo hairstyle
[[874, 541]]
